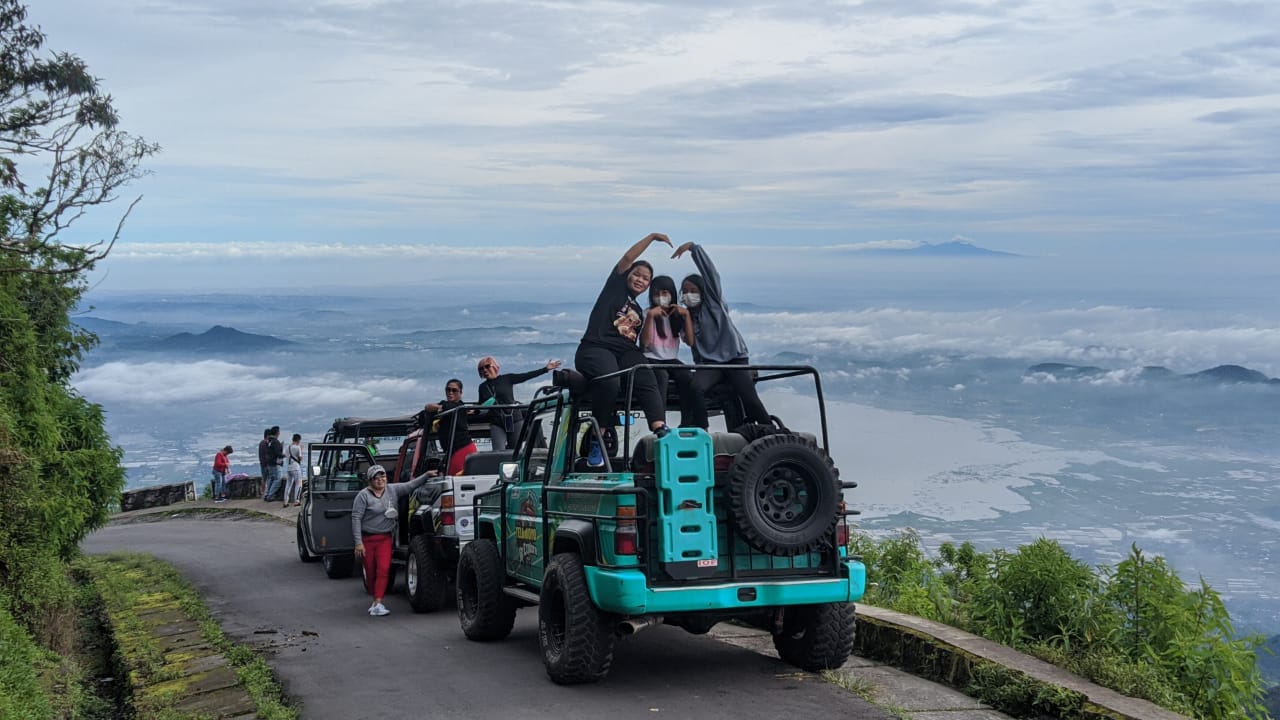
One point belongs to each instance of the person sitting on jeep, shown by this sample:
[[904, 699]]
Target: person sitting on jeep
[[499, 389], [454, 429], [610, 344], [716, 341]]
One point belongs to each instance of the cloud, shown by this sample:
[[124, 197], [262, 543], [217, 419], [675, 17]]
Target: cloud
[[212, 382], [531, 123]]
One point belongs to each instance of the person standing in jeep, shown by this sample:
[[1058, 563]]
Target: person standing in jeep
[[610, 343], [373, 525], [495, 388]]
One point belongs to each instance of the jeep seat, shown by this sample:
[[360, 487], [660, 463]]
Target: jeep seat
[[485, 463], [725, 446]]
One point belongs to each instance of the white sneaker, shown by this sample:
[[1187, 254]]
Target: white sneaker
[[379, 609], [372, 608]]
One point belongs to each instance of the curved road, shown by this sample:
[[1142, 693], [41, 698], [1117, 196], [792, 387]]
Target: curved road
[[338, 663]]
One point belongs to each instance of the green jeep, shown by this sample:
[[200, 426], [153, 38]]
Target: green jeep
[[688, 529]]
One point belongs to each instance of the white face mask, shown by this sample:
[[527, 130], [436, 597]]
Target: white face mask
[[391, 513], [692, 299], [664, 300]]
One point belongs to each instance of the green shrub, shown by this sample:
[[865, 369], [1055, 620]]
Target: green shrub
[[22, 697], [1037, 594]]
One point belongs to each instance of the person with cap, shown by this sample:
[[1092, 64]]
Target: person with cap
[[221, 466], [499, 389], [373, 526]]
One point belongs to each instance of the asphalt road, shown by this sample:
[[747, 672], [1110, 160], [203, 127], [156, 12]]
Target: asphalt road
[[338, 663]]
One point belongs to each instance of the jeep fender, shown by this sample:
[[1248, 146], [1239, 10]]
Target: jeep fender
[[576, 536]]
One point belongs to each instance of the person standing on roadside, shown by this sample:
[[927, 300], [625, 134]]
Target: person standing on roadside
[[293, 472], [264, 461], [373, 524], [221, 466], [275, 456]]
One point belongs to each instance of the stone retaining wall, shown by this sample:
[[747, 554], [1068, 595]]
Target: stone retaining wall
[[157, 496]]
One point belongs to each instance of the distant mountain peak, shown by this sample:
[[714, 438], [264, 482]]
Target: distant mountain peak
[[220, 338], [1224, 374], [959, 247]]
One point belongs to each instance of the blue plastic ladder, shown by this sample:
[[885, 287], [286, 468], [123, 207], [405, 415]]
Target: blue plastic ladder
[[685, 468]]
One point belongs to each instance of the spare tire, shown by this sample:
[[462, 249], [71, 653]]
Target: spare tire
[[784, 494]]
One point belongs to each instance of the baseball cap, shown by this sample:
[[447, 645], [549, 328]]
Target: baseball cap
[[374, 471]]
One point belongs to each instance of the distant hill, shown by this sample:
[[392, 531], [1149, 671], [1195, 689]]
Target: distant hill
[[218, 339], [1222, 374], [951, 248]]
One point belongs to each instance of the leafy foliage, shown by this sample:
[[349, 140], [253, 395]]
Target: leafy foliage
[[1136, 628], [58, 470], [54, 118]]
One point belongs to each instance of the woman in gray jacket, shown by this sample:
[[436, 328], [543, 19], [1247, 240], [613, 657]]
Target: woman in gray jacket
[[716, 342], [373, 526]]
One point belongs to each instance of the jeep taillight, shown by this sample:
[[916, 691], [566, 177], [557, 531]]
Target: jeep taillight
[[842, 528], [624, 537], [446, 510]]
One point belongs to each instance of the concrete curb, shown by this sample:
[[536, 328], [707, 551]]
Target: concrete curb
[[944, 654], [195, 679]]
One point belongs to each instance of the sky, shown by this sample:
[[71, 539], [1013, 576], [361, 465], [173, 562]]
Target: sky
[[366, 142]]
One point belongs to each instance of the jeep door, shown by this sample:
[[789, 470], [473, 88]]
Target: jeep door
[[523, 546], [335, 473]]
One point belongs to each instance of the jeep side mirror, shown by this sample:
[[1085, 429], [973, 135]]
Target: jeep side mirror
[[315, 470], [507, 471]]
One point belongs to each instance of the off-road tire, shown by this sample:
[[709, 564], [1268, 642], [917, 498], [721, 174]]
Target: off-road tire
[[303, 553], [817, 637], [575, 637], [485, 612], [338, 566], [426, 583], [784, 494]]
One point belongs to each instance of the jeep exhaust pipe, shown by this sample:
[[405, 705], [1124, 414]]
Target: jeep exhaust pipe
[[631, 626]]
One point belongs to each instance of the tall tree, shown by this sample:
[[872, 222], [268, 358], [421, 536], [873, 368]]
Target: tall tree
[[54, 118]]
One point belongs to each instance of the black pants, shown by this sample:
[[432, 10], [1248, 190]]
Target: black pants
[[682, 377], [594, 361], [744, 391]]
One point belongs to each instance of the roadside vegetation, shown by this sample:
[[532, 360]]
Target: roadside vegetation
[[61, 154], [1136, 628]]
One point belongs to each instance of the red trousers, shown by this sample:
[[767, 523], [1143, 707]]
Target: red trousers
[[458, 459], [377, 563]]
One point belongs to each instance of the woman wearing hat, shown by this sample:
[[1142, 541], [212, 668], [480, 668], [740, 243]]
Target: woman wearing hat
[[373, 524], [499, 389]]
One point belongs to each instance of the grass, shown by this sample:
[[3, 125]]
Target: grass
[[863, 688], [132, 584]]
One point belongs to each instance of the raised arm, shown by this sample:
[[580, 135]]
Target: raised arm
[[686, 332], [634, 253], [706, 268]]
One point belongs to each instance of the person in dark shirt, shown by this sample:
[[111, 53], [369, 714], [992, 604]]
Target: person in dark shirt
[[610, 344], [453, 429], [499, 387]]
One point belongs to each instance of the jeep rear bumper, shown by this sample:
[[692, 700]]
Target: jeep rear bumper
[[625, 592]]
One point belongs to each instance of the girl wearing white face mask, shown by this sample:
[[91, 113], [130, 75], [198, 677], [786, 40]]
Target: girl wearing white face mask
[[666, 323], [716, 342]]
